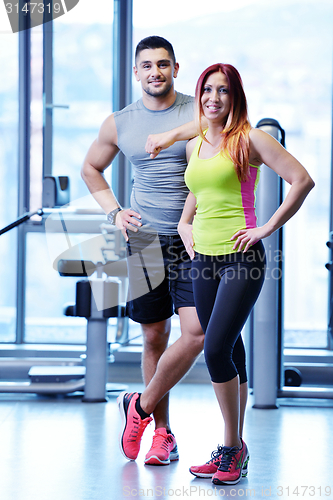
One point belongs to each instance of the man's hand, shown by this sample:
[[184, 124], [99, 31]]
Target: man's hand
[[127, 219]]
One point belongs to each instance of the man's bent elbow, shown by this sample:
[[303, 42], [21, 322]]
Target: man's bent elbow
[[86, 171], [83, 175]]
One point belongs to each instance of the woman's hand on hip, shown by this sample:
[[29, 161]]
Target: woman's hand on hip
[[245, 238], [185, 232]]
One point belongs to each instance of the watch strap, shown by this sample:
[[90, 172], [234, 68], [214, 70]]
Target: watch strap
[[111, 216]]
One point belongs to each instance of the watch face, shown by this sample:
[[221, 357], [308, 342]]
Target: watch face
[[112, 216]]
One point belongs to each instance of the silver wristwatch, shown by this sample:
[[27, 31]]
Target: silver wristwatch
[[111, 216]]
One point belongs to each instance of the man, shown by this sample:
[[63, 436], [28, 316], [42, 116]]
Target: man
[[157, 200]]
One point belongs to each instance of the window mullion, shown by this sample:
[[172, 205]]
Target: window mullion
[[24, 171], [47, 98]]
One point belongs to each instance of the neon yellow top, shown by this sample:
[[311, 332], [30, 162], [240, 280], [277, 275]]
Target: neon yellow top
[[224, 204]]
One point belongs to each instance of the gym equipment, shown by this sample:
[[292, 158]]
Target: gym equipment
[[292, 377], [267, 323], [268, 309], [329, 267], [55, 191], [97, 299], [20, 220]]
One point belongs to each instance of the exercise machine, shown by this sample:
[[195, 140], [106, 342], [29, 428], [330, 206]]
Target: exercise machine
[[98, 298], [272, 379]]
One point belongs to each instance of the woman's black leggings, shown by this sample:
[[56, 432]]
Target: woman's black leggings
[[226, 288]]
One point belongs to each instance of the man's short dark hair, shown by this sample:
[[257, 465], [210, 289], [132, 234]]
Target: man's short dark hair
[[155, 42]]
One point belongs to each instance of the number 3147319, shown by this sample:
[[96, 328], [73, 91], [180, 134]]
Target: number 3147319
[[32, 7]]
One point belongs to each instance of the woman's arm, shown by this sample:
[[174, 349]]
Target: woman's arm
[[156, 142], [185, 224], [265, 149]]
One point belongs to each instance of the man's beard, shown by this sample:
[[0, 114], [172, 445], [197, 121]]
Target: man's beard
[[158, 93]]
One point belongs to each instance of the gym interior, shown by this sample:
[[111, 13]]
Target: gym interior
[[64, 357]]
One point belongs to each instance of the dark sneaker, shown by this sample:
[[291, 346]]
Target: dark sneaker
[[210, 467], [233, 465]]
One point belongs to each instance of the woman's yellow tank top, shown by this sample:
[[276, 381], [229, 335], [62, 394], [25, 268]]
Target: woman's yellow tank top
[[224, 204]]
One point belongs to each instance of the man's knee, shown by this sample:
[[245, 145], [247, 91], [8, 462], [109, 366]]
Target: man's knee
[[191, 328], [198, 340], [156, 334], [194, 337]]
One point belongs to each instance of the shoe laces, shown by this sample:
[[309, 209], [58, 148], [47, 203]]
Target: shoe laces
[[216, 454], [138, 427], [227, 455], [161, 441]]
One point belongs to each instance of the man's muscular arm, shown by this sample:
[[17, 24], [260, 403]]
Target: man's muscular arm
[[100, 155]]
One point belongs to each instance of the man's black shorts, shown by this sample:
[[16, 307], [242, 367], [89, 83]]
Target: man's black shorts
[[159, 271]]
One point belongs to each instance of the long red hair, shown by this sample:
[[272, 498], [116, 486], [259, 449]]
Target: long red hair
[[235, 134]]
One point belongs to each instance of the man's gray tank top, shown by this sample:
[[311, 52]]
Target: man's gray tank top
[[159, 190]]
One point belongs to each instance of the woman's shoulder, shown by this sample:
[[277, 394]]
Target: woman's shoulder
[[256, 134], [260, 143], [191, 145], [192, 142], [258, 137]]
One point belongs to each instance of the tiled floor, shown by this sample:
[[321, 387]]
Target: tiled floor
[[63, 449]]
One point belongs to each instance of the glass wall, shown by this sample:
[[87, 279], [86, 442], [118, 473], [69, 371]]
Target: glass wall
[[82, 80], [82, 99], [8, 180], [283, 50]]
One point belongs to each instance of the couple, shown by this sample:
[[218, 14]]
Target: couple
[[206, 208]]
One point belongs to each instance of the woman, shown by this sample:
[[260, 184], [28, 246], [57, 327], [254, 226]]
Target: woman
[[224, 243]]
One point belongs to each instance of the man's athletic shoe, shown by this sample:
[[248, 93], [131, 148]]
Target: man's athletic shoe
[[209, 468], [133, 425], [233, 465], [164, 448]]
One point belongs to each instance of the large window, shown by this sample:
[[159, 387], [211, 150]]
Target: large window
[[82, 80], [283, 50], [81, 65], [8, 181]]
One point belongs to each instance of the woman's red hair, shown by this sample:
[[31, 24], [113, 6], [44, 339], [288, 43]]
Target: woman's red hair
[[235, 134]]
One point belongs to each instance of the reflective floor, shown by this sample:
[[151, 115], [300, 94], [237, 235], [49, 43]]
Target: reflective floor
[[63, 449]]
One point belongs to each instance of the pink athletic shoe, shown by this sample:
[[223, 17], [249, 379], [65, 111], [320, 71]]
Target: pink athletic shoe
[[133, 425], [209, 468], [164, 448], [233, 465]]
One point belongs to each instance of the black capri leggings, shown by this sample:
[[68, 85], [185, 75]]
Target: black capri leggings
[[226, 288]]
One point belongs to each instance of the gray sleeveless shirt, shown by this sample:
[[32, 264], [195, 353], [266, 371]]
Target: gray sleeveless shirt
[[159, 190]]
